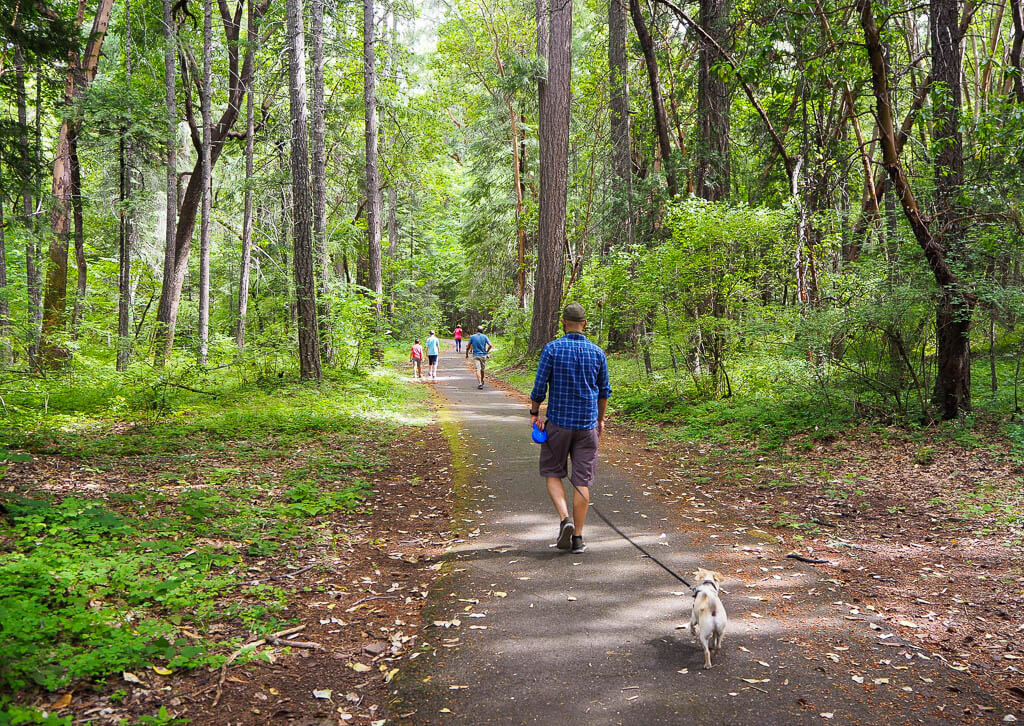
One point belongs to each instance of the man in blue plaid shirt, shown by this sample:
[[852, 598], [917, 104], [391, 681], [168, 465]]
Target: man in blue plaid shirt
[[574, 372]]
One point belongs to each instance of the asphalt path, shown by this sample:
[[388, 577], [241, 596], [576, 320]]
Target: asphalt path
[[519, 632]]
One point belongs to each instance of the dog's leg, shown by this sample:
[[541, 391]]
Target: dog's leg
[[707, 654], [717, 643]]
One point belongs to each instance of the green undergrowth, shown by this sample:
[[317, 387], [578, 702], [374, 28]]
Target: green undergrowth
[[128, 533]]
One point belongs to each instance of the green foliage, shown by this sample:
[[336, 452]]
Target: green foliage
[[93, 585]]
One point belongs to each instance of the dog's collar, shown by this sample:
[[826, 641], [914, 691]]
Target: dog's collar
[[706, 582]]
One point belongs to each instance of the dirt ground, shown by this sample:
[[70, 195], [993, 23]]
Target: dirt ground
[[360, 604]]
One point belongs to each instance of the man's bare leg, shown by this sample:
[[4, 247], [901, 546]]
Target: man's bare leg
[[557, 494], [580, 504]]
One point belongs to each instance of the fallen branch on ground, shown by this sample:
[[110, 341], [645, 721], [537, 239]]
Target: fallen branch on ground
[[812, 560], [249, 646]]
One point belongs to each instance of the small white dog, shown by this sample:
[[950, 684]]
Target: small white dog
[[708, 621]]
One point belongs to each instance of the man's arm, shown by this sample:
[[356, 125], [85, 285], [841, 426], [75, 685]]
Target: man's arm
[[540, 388], [604, 392]]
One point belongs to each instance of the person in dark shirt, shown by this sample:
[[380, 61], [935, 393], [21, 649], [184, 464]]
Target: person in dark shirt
[[573, 375], [480, 346]]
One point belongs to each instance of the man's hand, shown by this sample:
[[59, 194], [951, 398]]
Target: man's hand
[[536, 421], [600, 426]]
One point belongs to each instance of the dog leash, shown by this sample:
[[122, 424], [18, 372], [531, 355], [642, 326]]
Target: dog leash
[[629, 539]]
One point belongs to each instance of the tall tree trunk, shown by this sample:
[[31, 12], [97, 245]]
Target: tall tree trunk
[[6, 351], [124, 278], [320, 183], [955, 304], [712, 173], [660, 119], [33, 271], [1017, 14], [80, 75], [160, 333], [618, 106], [207, 182], [76, 212], [250, 131], [302, 209], [373, 281], [554, 42], [953, 315], [238, 80]]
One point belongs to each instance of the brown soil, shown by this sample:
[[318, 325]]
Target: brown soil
[[357, 585]]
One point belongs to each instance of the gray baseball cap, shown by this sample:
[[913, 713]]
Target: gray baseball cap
[[574, 312]]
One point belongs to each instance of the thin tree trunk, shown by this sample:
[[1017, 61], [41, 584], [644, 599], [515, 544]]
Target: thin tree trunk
[[80, 75], [6, 351], [554, 42], [660, 118], [713, 163], [302, 208], [621, 151], [207, 182], [124, 278], [373, 281], [320, 183], [33, 270], [250, 131], [160, 333]]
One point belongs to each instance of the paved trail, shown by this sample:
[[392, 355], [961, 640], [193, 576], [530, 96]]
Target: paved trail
[[594, 639]]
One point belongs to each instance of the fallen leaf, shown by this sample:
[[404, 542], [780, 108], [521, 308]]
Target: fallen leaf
[[131, 678], [858, 679], [63, 702], [684, 671], [879, 681], [826, 715], [498, 594], [571, 598], [322, 693], [390, 674], [908, 624], [359, 667], [160, 671]]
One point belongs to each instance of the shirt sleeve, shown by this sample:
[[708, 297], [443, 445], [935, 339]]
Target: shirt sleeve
[[540, 383], [604, 389]]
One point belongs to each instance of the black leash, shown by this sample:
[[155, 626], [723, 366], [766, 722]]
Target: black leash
[[629, 539]]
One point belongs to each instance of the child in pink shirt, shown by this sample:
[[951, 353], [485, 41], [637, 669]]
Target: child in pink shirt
[[416, 356]]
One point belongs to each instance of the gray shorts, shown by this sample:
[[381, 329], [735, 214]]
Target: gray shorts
[[562, 444]]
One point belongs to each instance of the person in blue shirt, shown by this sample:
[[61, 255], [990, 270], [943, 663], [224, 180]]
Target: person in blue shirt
[[433, 350], [480, 346], [573, 375]]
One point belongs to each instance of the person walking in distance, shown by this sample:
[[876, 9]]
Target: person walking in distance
[[433, 350], [480, 346], [458, 338], [573, 375], [416, 356]]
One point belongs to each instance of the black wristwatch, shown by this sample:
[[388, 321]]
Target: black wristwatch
[[535, 413]]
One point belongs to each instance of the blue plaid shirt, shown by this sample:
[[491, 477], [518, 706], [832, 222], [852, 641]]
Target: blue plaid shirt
[[577, 372]]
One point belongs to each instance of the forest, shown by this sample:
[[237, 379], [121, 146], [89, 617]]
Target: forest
[[222, 225]]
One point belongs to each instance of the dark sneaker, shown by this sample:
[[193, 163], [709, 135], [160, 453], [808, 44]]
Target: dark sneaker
[[565, 537], [578, 545], [480, 386]]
